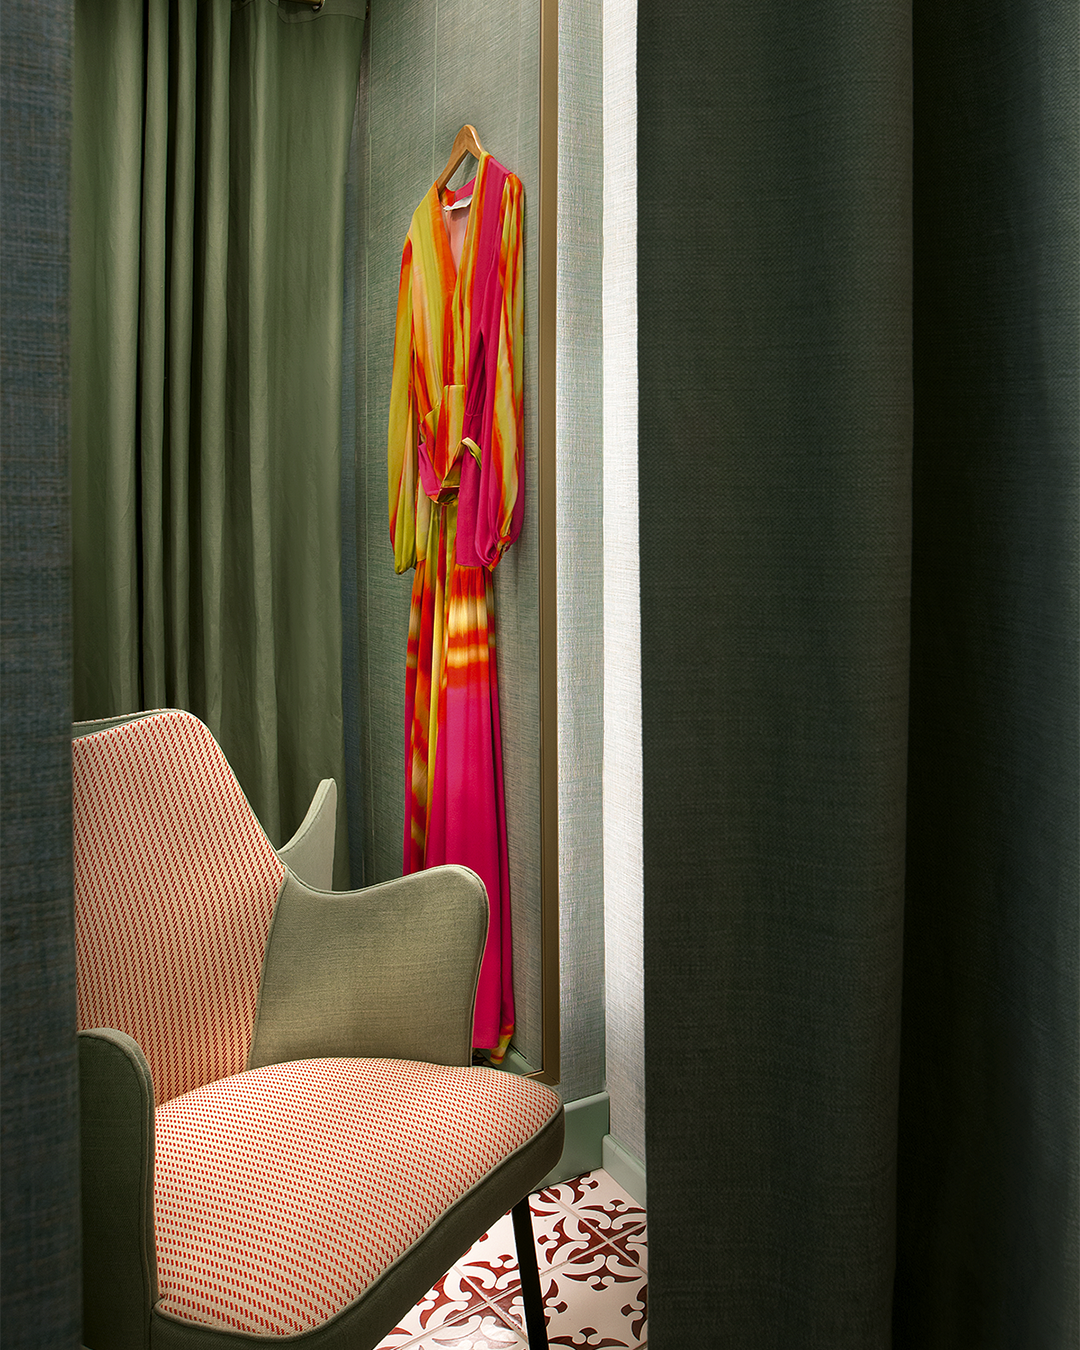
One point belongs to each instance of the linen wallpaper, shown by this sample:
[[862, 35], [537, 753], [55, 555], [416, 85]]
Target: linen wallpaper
[[623, 892], [580, 547]]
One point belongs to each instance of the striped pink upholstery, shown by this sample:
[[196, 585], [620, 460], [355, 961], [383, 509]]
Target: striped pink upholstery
[[175, 885], [280, 1194]]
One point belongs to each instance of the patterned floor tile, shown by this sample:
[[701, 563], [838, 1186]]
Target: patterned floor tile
[[480, 1330], [491, 1264], [591, 1247], [451, 1299], [560, 1231], [598, 1201], [635, 1246], [597, 1300]]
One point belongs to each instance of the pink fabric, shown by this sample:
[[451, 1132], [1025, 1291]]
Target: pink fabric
[[468, 765], [282, 1193], [469, 789], [175, 885]]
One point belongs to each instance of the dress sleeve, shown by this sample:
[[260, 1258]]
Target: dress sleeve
[[501, 497], [401, 461]]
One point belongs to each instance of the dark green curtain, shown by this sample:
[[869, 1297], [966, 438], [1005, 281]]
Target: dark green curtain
[[39, 1148], [209, 159], [858, 256], [988, 1194]]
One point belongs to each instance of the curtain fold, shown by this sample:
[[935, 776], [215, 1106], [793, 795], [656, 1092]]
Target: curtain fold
[[208, 169], [989, 1200], [857, 262]]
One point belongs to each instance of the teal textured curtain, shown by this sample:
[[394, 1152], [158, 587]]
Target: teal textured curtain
[[40, 1235], [209, 159], [858, 265]]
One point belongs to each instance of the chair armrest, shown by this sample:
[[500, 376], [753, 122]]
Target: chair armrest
[[116, 1112], [310, 852], [389, 971]]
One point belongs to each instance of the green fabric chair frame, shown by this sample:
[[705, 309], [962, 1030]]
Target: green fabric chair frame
[[362, 987]]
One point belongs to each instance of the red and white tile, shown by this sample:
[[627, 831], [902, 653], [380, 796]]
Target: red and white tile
[[451, 1300], [483, 1330], [634, 1247], [599, 1202], [591, 1247], [596, 1300]]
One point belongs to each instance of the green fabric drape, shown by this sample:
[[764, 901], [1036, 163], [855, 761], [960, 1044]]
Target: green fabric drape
[[989, 1124], [208, 178], [774, 369], [40, 1233], [857, 264]]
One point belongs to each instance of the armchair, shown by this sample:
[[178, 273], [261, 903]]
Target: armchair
[[283, 1139]]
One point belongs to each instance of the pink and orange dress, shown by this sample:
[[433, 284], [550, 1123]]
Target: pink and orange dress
[[455, 459]]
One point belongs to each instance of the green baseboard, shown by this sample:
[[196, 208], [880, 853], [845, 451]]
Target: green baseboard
[[627, 1169], [587, 1122], [588, 1144]]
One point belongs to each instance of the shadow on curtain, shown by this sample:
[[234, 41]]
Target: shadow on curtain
[[209, 159], [859, 533]]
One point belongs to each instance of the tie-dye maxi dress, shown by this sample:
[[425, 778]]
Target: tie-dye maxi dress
[[456, 500]]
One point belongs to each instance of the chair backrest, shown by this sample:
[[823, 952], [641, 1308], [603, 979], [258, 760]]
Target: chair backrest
[[175, 886]]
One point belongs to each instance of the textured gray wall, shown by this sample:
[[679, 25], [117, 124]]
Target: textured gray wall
[[622, 618], [579, 524], [433, 65]]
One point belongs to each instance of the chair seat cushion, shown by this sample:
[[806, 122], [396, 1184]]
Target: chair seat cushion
[[282, 1193]]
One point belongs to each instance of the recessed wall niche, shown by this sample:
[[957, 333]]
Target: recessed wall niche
[[429, 67]]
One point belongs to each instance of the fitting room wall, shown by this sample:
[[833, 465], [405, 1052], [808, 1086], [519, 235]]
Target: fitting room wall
[[431, 65], [623, 893]]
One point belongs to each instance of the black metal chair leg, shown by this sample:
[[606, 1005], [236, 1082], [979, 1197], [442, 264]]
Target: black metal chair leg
[[535, 1321]]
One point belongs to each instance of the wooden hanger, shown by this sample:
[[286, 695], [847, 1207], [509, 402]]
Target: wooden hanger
[[466, 142]]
